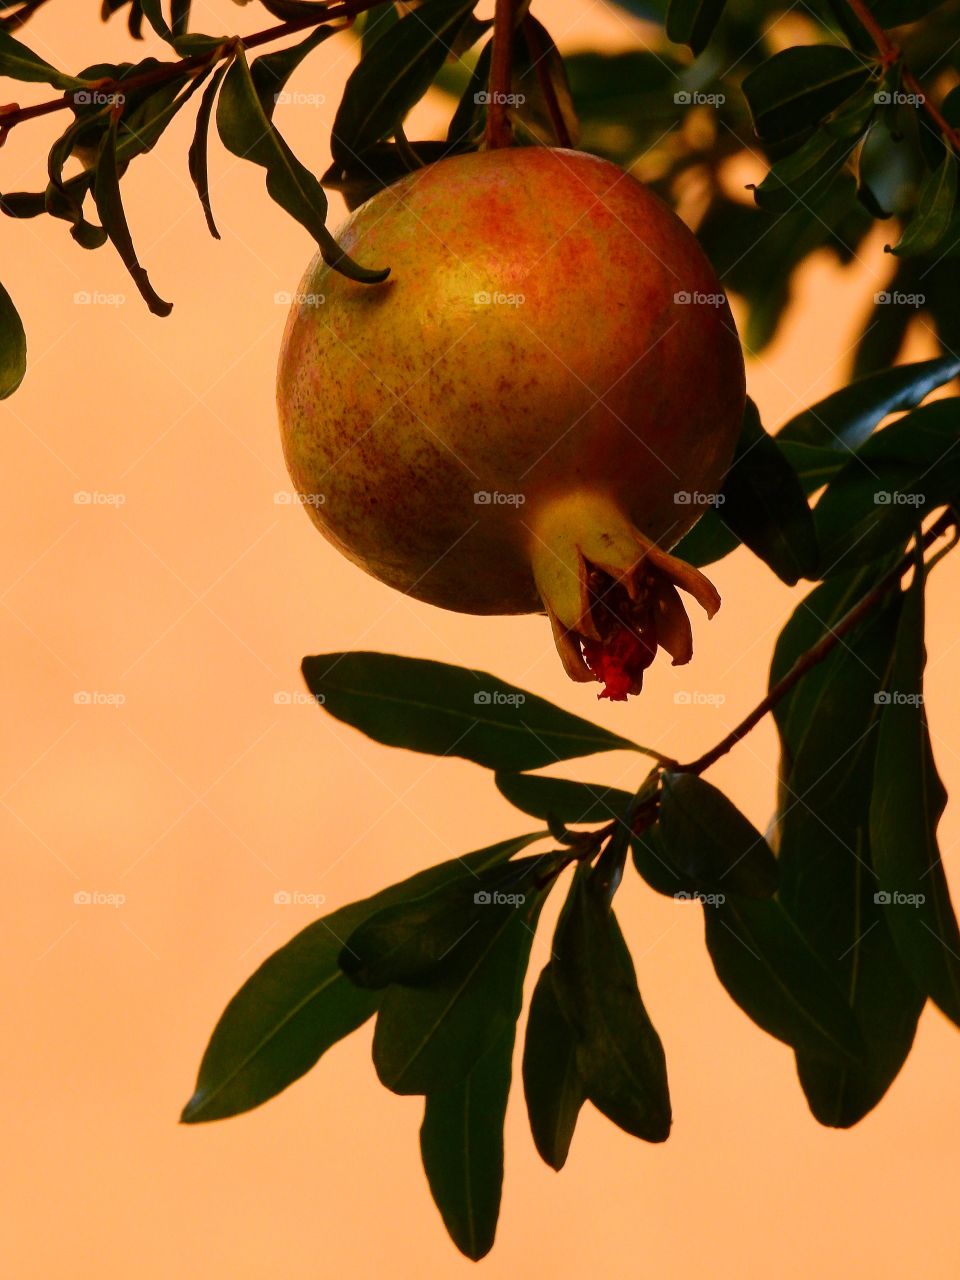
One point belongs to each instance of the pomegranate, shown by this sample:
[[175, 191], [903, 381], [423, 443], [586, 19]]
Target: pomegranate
[[523, 416]]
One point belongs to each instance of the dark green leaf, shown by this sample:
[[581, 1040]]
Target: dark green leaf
[[692, 22], [13, 346], [908, 801], [430, 1036], [299, 1002], [561, 799], [271, 71], [899, 475], [197, 155], [141, 132], [153, 12], [845, 419], [828, 730], [775, 978], [619, 1056], [404, 942], [461, 1143], [792, 91], [106, 194], [710, 842], [934, 215], [467, 121], [384, 164], [247, 130], [765, 506], [551, 1082], [393, 75], [20, 63], [893, 13], [451, 711]]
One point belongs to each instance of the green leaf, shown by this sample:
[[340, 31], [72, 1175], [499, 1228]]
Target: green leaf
[[445, 710], [710, 842], [765, 506], [848, 417], [393, 75], [430, 1036], [153, 12], [552, 1085], [106, 194], [404, 942], [792, 91], [894, 13], [908, 801], [20, 63], [299, 1002], [13, 346], [461, 1143], [794, 178], [692, 22], [384, 164], [246, 128], [899, 475], [619, 1056], [140, 132], [828, 730], [197, 155], [935, 209], [565, 801], [467, 121], [772, 974], [271, 71]]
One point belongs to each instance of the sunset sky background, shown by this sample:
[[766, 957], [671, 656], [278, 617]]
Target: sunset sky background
[[200, 797]]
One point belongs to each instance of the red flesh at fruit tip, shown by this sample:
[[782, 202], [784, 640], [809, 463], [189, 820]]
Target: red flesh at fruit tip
[[532, 409]]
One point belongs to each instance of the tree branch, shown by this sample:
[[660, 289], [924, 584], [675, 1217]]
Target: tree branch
[[891, 53], [499, 131], [822, 649], [187, 67]]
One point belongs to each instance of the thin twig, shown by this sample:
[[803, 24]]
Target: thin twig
[[891, 53], [499, 131], [169, 72], [822, 649]]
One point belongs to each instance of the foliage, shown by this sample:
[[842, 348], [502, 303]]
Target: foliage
[[832, 930]]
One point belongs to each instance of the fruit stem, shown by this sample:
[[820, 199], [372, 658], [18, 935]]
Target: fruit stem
[[499, 131]]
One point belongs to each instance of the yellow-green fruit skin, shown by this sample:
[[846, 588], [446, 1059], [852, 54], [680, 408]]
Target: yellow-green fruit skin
[[532, 341]]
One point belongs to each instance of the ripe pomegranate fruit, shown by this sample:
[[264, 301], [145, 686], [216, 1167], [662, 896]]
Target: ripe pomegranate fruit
[[510, 423]]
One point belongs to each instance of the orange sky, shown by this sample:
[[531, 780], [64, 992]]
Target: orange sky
[[199, 797]]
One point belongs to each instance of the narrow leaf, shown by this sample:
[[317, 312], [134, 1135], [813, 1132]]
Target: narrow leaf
[[450, 711], [552, 1085], [565, 801], [934, 215], [692, 22], [792, 91], [20, 63], [197, 155], [461, 1143], [13, 346], [299, 1002], [908, 802]]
